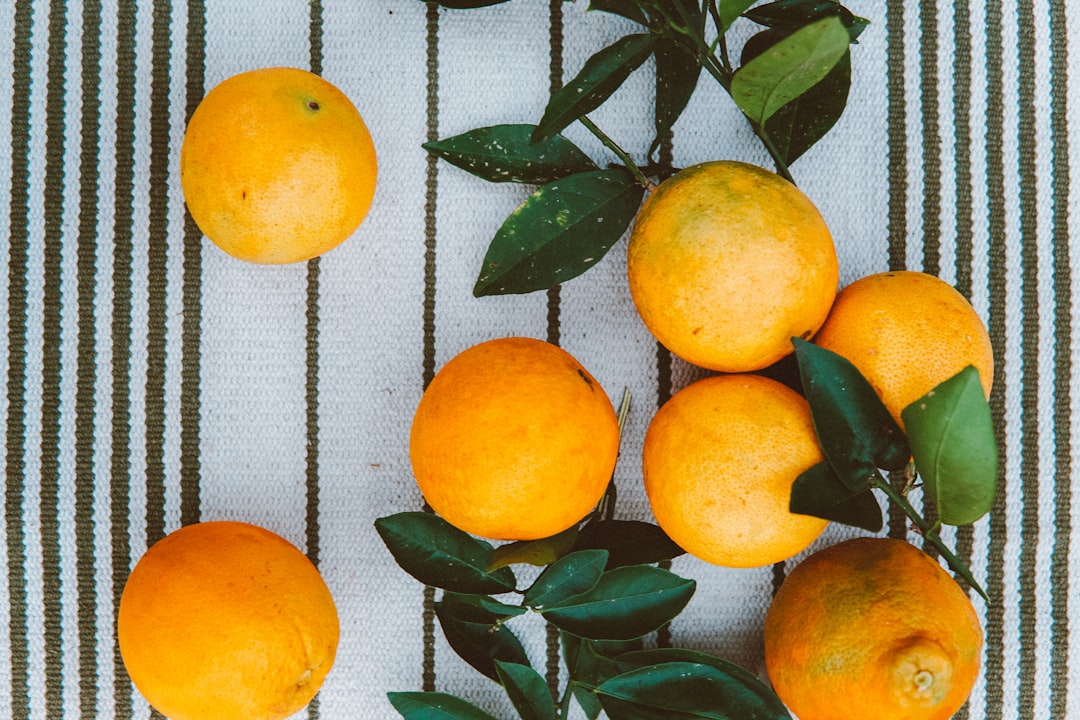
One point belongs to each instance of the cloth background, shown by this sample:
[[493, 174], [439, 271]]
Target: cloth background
[[152, 381]]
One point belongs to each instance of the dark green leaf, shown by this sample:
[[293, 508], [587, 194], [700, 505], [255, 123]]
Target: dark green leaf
[[436, 553], [559, 232], [505, 153], [788, 69], [601, 76], [626, 603], [486, 606], [477, 636], [572, 575], [796, 127], [528, 691], [677, 72], [857, 434], [462, 4], [819, 492], [589, 663], [730, 10], [679, 689], [794, 14], [434, 706], [771, 705], [627, 8], [534, 552], [951, 432], [628, 542]]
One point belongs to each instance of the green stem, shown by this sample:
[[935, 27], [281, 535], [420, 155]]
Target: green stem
[[929, 532], [622, 154]]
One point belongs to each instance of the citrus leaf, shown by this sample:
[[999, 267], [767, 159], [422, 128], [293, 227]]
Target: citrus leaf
[[571, 575], [527, 690], [677, 72], [626, 603], [951, 432], [559, 232], [856, 432], [486, 604], [462, 4], [788, 69], [625, 8], [477, 636], [601, 76], [436, 553], [505, 153], [819, 492], [796, 127], [730, 10], [434, 706], [534, 552], [682, 690], [589, 663], [770, 706], [793, 14], [628, 542]]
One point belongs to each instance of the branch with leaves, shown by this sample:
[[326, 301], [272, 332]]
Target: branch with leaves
[[791, 85]]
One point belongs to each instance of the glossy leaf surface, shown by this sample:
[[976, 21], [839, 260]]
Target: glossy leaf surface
[[951, 432], [559, 232], [434, 706], [477, 636], [506, 153], [819, 492], [628, 542], [527, 690], [436, 553], [568, 577]]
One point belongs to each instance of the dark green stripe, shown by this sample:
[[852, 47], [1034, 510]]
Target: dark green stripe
[[554, 295], [87, 359], [1063, 371], [995, 179], [430, 233], [190, 333], [931, 138], [1029, 358], [898, 188], [157, 259], [965, 216], [311, 382], [123, 213], [897, 134], [52, 362], [15, 427]]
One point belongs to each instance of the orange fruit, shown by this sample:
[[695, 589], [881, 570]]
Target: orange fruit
[[226, 621], [513, 440], [907, 332], [719, 461], [727, 262], [872, 628], [277, 166]]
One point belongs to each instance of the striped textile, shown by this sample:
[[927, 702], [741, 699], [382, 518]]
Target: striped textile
[[151, 381]]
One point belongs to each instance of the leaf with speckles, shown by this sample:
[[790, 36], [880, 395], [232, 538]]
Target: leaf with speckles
[[559, 232], [462, 4], [505, 153]]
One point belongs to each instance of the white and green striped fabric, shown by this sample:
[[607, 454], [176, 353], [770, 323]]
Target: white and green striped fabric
[[151, 381]]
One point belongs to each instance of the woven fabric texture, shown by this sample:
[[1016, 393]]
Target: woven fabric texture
[[152, 381]]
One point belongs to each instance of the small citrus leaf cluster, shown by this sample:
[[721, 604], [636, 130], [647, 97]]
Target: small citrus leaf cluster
[[791, 85], [601, 589], [948, 440]]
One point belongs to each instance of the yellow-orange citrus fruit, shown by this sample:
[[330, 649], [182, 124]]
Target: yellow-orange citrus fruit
[[872, 628], [513, 440], [907, 332], [719, 461], [277, 166], [727, 262], [226, 620]]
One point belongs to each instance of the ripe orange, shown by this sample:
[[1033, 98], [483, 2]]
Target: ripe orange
[[727, 262], [907, 332], [719, 461], [226, 621], [277, 166], [872, 628], [514, 440]]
